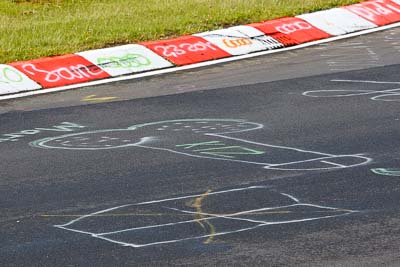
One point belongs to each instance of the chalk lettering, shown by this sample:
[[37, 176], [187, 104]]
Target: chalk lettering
[[387, 5], [129, 60], [374, 9], [181, 49], [63, 127], [170, 50], [79, 71], [293, 27], [199, 46]]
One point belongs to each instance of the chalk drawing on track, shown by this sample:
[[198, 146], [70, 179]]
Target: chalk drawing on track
[[62, 127], [175, 220], [387, 171], [389, 95], [207, 139]]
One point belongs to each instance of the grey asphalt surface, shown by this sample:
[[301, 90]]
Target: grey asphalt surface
[[338, 216]]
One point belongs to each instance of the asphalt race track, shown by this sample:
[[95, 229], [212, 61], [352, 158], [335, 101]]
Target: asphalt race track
[[289, 159]]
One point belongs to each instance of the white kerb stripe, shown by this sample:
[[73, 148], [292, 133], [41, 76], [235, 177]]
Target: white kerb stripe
[[337, 21]]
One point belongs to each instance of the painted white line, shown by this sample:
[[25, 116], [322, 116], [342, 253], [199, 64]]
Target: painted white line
[[197, 65]]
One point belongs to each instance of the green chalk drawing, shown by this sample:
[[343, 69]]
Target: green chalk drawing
[[130, 60], [387, 171], [11, 76]]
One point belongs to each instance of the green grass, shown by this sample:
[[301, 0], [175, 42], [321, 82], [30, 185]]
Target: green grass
[[37, 28]]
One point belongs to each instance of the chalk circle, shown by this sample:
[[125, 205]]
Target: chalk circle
[[388, 97], [338, 93], [12, 75]]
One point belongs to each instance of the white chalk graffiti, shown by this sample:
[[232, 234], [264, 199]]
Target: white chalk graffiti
[[374, 9], [198, 217], [289, 28], [390, 95], [79, 71], [181, 49], [16, 136], [207, 139]]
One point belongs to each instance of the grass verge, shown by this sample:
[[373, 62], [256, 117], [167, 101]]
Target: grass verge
[[37, 28]]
